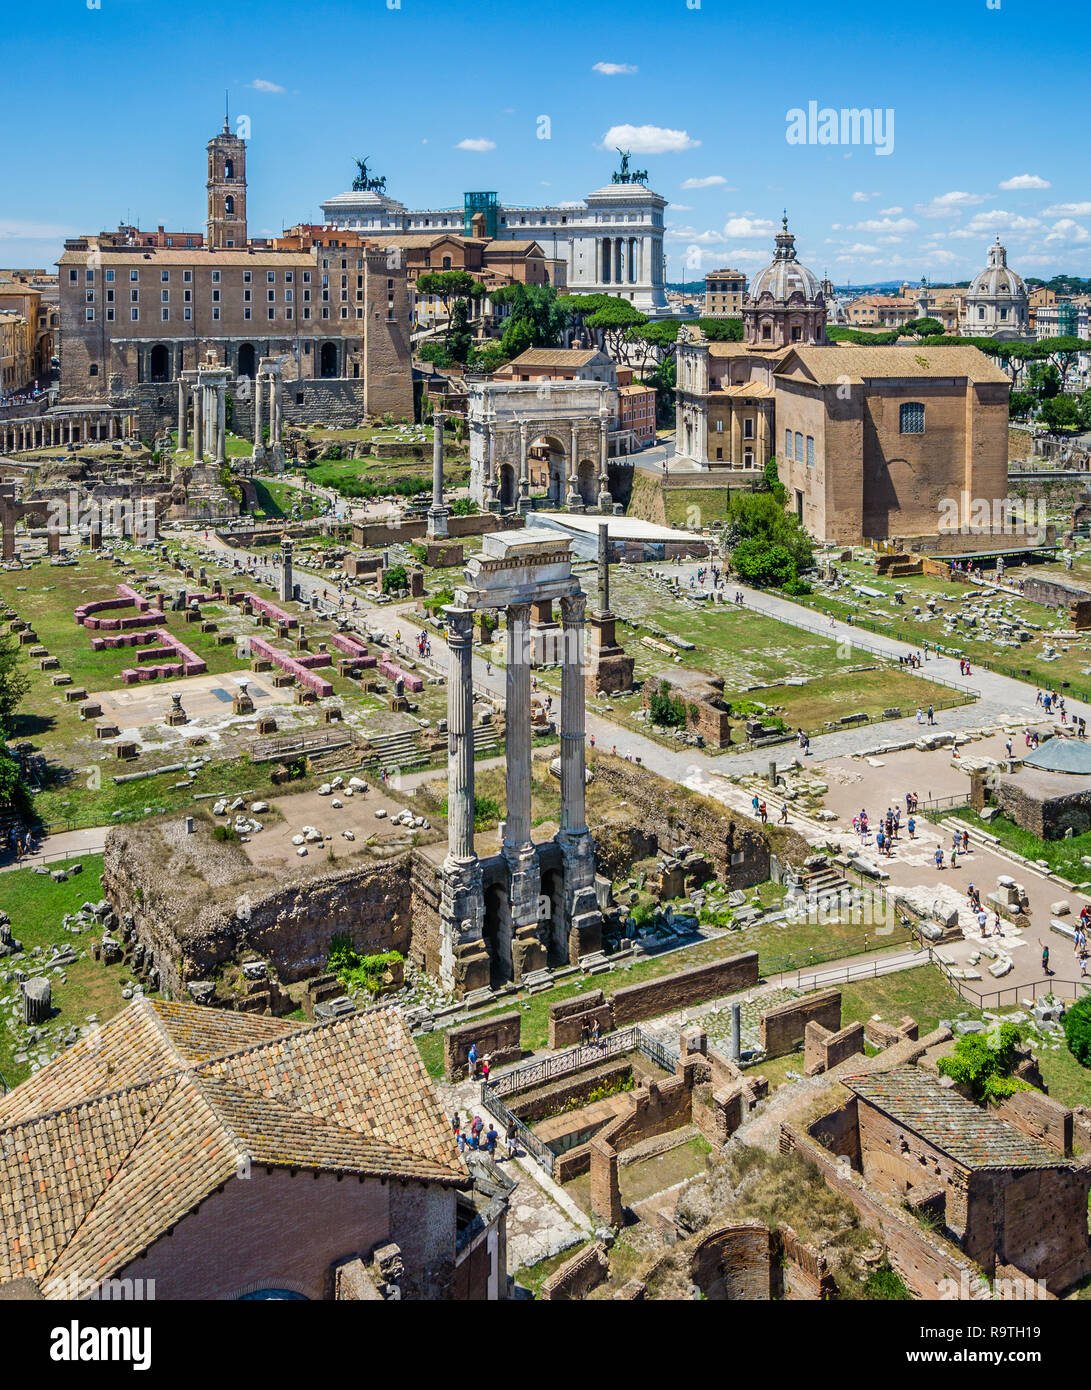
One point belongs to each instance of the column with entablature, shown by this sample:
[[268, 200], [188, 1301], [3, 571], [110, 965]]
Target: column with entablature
[[581, 904], [521, 951]]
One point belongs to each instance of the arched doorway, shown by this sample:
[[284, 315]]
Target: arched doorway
[[587, 483], [546, 467], [507, 486], [247, 360], [328, 360], [159, 364]]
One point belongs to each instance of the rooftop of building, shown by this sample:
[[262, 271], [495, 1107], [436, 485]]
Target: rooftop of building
[[108, 1147], [972, 1136], [832, 363], [559, 357], [1061, 755]]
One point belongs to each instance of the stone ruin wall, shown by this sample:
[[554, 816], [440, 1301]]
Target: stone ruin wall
[[289, 924], [686, 820]]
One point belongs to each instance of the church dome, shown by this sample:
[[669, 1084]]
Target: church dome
[[784, 276], [997, 278]]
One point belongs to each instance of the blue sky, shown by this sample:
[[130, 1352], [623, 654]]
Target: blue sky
[[107, 112]]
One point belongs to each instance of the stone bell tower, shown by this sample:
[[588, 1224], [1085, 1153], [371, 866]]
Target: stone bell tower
[[226, 190]]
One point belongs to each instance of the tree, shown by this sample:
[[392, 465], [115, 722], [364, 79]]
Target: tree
[[759, 516], [763, 565], [1063, 353], [536, 308], [459, 338], [1059, 412], [771, 478], [1077, 1030], [445, 285], [655, 343], [721, 330], [577, 308], [395, 578], [14, 682], [1020, 404], [1044, 380], [923, 328], [984, 1062], [614, 320]]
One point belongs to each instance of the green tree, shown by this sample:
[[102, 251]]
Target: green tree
[[459, 337], [446, 285], [1020, 404], [14, 682], [1044, 380], [1059, 412], [721, 330], [771, 478], [535, 319], [1077, 1030], [763, 565], [613, 321], [984, 1063], [923, 328], [395, 578], [759, 516]]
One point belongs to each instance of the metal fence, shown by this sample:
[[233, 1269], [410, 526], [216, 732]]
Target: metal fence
[[1012, 994], [566, 1063], [945, 803]]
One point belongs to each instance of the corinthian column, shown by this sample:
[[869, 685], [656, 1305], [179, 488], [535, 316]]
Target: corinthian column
[[524, 470], [605, 502], [517, 834], [259, 432], [573, 732], [198, 424], [437, 513], [181, 415], [460, 737]]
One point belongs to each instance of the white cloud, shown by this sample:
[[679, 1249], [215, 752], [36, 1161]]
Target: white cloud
[[863, 197], [862, 248], [1022, 181], [890, 212], [882, 224], [679, 207], [478, 146], [707, 237], [712, 181], [949, 202], [997, 220], [260, 84], [648, 139], [1067, 230], [1068, 210], [614, 69], [745, 226]]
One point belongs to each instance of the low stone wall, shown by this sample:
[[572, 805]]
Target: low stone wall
[[783, 1027], [321, 686], [1040, 1118], [694, 986], [496, 1037], [735, 1263], [569, 1018], [578, 1276], [576, 1087], [823, 1049]]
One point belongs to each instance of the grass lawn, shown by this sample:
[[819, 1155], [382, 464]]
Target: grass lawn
[[693, 507], [36, 905], [383, 475], [1063, 856], [281, 499], [649, 1175], [923, 992], [532, 1277]]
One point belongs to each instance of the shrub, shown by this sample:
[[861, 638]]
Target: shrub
[[224, 832], [355, 970], [667, 710], [1077, 1030], [984, 1063], [395, 578], [798, 587], [884, 1282], [763, 565]]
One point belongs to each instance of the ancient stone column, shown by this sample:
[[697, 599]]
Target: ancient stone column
[[523, 501], [276, 406], [604, 568], [573, 501], [437, 513], [181, 415], [221, 422], [36, 1000], [604, 502], [259, 433], [198, 424], [582, 915], [464, 962], [518, 726], [286, 582]]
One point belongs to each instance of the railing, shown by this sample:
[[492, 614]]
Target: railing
[[945, 803], [1011, 994], [572, 1059], [866, 970]]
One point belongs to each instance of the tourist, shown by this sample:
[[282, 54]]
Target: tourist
[[596, 1032], [477, 1127], [965, 842], [456, 1123], [512, 1138], [763, 813], [931, 715], [462, 1141], [1045, 957], [491, 1136], [982, 921], [911, 826], [471, 1061], [783, 813], [755, 801], [880, 841], [939, 856], [920, 716], [486, 1067]]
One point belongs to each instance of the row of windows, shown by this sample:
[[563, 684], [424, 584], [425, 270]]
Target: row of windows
[[247, 313], [747, 427], [187, 276], [798, 455]]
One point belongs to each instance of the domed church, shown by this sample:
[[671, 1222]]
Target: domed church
[[784, 305], [997, 304]]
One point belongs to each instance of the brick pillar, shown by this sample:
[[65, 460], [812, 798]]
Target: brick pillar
[[606, 1208]]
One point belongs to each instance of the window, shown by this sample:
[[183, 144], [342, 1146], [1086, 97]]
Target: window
[[911, 418], [246, 296], [134, 275], [215, 296], [272, 313], [89, 276], [799, 446], [134, 314], [187, 277], [270, 295], [215, 311], [109, 296], [215, 277], [229, 206], [92, 370], [187, 314], [247, 276], [73, 277], [109, 277], [90, 297], [719, 427], [271, 276], [109, 315], [166, 315], [306, 277], [810, 451], [288, 312], [246, 312], [90, 315], [164, 276], [748, 428], [164, 296], [788, 445], [134, 296], [287, 296], [187, 296]]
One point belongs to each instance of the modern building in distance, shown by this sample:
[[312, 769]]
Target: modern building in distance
[[610, 243], [134, 315], [724, 290]]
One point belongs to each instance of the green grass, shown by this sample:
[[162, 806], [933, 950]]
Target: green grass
[[36, 905], [282, 500], [532, 1277], [1062, 856], [923, 992]]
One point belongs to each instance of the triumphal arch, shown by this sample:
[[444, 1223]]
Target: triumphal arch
[[515, 424], [532, 906]]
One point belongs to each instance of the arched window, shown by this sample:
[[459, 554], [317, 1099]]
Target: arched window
[[229, 206], [911, 418], [229, 169], [92, 370]]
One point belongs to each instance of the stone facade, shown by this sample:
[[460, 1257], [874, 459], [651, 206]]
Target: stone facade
[[784, 1027]]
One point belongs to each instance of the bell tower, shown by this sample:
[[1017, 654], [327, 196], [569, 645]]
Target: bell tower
[[226, 190]]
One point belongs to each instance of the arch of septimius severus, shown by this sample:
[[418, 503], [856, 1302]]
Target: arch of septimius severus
[[507, 418], [508, 915]]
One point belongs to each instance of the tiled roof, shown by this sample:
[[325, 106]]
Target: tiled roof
[[831, 364], [556, 357], [972, 1136], [112, 1144]]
